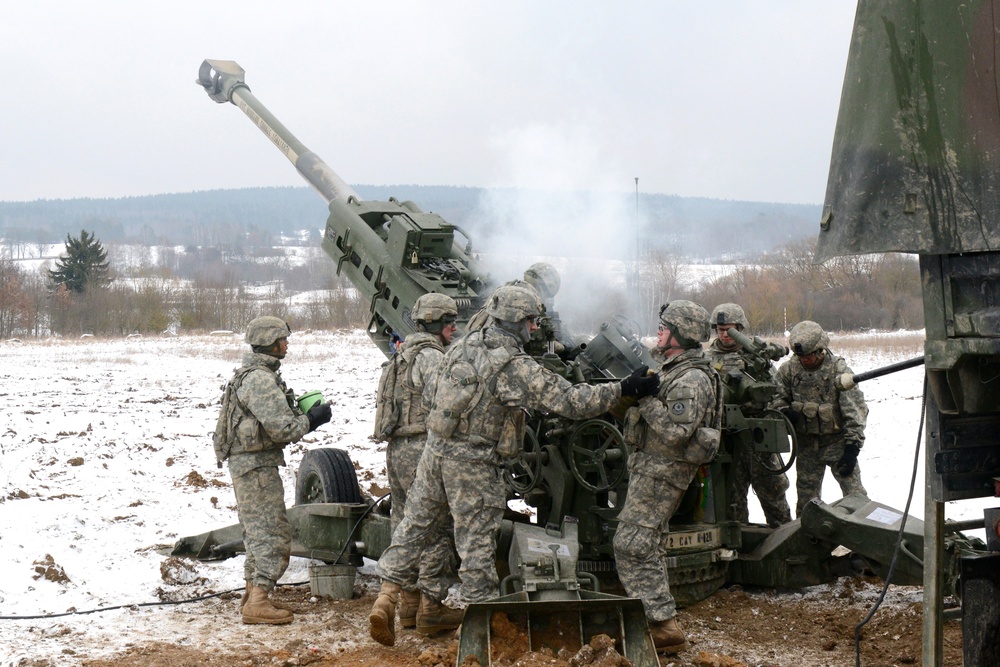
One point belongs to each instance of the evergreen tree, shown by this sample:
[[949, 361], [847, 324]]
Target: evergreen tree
[[84, 264]]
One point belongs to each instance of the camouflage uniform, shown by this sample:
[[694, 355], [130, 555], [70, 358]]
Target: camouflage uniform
[[672, 434], [270, 420], [747, 469], [421, 357], [459, 472], [831, 418]]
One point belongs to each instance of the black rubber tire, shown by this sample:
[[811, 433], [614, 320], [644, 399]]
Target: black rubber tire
[[327, 475]]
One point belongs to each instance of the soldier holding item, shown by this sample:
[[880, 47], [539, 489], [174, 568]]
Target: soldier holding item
[[672, 434], [259, 416], [829, 423]]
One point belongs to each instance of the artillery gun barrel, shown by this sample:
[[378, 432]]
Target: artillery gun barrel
[[223, 80], [848, 381]]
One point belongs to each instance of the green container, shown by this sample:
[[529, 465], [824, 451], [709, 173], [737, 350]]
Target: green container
[[309, 399]]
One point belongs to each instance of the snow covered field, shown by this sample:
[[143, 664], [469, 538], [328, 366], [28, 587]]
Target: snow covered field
[[106, 459]]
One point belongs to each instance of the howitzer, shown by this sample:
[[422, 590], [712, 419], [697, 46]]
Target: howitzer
[[391, 251], [574, 474]]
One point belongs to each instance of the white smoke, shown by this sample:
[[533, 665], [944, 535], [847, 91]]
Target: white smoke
[[584, 223]]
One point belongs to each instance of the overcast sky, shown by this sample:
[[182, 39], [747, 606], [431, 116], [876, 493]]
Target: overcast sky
[[730, 100]]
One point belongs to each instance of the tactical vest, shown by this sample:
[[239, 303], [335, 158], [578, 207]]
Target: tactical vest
[[464, 401], [703, 445], [399, 407], [236, 429], [816, 397]]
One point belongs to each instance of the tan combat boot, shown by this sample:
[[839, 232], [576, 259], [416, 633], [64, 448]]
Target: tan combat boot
[[258, 609], [433, 617], [667, 636], [246, 596], [382, 619], [408, 603]]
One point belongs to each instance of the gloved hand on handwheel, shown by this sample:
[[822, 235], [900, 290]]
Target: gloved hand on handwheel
[[639, 384]]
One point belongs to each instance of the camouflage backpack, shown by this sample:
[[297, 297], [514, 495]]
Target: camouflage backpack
[[468, 378], [230, 415], [396, 373]]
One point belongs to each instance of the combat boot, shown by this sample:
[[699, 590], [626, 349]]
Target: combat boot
[[433, 617], [382, 619], [408, 603], [258, 609], [667, 636], [246, 596]]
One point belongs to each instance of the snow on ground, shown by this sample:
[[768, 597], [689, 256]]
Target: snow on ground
[[106, 459]]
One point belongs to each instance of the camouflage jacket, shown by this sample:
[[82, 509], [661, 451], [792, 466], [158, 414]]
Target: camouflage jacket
[[509, 382], [826, 409], [681, 423], [269, 416], [421, 358]]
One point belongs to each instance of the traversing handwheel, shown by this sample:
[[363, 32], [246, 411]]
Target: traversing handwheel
[[773, 463], [597, 455], [524, 471]]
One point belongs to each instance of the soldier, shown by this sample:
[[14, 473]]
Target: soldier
[[259, 416], [672, 434], [477, 418], [829, 423], [400, 418], [727, 356]]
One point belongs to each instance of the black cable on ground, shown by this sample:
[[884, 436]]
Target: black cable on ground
[[899, 538], [164, 603]]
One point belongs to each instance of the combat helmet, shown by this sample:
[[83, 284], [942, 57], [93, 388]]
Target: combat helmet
[[434, 311], [807, 337], [544, 278], [264, 331], [511, 306], [729, 313], [687, 320]]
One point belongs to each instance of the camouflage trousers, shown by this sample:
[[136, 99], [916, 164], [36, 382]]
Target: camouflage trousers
[[267, 535], [769, 488], [437, 567], [641, 539], [815, 454], [473, 495]]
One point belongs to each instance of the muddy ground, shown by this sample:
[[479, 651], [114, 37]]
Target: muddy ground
[[767, 628]]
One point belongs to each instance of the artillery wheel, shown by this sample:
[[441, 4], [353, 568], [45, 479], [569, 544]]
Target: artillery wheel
[[767, 462], [525, 471], [326, 475], [597, 446]]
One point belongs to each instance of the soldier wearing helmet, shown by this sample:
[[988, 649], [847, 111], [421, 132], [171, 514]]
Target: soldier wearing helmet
[[672, 434], [259, 416], [728, 357], [485, 385], [400, 419], [829, 423]]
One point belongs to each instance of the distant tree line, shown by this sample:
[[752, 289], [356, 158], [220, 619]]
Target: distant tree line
[[88, 293], [126, 289]]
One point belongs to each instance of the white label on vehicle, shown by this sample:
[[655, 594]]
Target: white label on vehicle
[[885, 516], [694, 539]]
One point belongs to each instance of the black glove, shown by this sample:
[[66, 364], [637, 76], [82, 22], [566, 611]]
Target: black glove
[[319, 414], [845, 466], [639, 384]]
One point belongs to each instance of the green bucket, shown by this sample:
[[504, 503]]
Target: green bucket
[[309, 399]]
